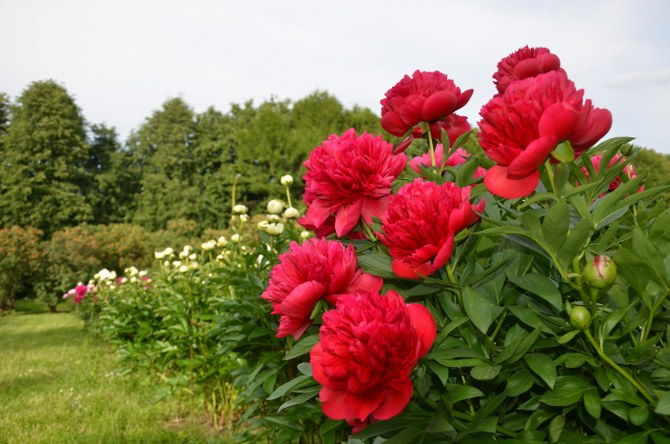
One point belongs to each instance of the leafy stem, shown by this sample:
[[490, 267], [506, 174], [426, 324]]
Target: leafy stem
[[652, 313], [431, 148], [618, 368]]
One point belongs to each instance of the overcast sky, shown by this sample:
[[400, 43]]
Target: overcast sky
[[121, 59]]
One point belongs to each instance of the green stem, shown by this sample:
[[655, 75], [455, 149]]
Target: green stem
[[500, 323], [501, 429], [619, 369], [431, 149], [550, 173], [288, 196], [368, 231], [450, 273]]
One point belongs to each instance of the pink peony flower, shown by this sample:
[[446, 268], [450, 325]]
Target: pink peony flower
[[421, 223], [520, 129], [308, 272], [523, 63], [368, 347], [628, 170], [348, 178], [425, 97]]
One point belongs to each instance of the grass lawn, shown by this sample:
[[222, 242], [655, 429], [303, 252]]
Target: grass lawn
[[58, 384]]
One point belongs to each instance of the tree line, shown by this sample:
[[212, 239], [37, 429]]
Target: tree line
[[58, 170]]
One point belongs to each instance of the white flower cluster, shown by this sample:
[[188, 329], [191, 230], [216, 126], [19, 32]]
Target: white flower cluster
[[209, 245], [271, 228], [167, 253]]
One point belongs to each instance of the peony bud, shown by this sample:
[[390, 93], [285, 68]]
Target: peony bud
[[193, 256], [159, 254], [262, 225], [275, 206], [222, 242], [183, 254], [291, 213], [580, 318], [166, 263], [176, 264], [240, 209], [600, 272], [286, 180], [306, 234], [236, 238], [183, 269], [168, 251], [275, 229], [244, 218]]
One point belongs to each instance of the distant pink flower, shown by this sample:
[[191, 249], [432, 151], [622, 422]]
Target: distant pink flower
[[628, 170]]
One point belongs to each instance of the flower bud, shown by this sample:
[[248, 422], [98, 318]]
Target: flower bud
[[168, 251], [244, 218], [275, 229], [306, 234], [600, 272], [222, 242], [183, 269], [275, 206], [193, 256], [159, 254], [291, 213], [286, 180], [262, 225], [580, 318], [236, 238], [183, 254], [240, 209], [176, 264], [273, 217]]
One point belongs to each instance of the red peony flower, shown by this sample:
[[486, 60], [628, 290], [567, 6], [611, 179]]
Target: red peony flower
[[368, 347], [421, 223], [80, 292], [349, 177], [458, 157], [628, 170], [523, 63], [453, 124], [314, 270], [424, 97], [520, 129]]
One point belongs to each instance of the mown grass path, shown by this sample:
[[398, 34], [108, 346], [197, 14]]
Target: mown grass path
[[58, 385]]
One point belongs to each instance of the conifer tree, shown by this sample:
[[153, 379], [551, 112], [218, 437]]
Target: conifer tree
[[42, 174]]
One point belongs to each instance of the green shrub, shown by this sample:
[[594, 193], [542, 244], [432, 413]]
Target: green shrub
[[20, 260]]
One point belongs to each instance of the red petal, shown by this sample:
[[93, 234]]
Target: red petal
[[438, 105], [499, 183], [463, 98], [443, 254], [392, 123], [347, 218], [402, 146], [361, 407], [367, 282], [424, 324], [301, 301], [532, 157], [396, 399], [333, 403], [558, 120], [315, 361]]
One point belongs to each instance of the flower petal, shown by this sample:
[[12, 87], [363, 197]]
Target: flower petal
[[499, 183], [532, 157], [347, 217], [396, 399], [424, 324]]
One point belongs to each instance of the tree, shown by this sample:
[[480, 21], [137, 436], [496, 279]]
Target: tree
[[113, 177], [42, 174], [163, 151]]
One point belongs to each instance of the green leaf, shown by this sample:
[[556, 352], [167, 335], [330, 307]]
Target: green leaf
[[567, 391], [556, 427], [543, 366], [592, 402], [485, 372], [458, 392], [480, 308], [299, 399], [441, 371], [377, 264], [569, 336], [638, 415], [663, 405], [563, 152], [555, 225], [540, 286], [288, 386], [302, 347], [575, 242], [519, 383], [305, 368]]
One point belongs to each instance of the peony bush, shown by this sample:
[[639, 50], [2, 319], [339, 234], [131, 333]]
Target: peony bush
[[506, 283]]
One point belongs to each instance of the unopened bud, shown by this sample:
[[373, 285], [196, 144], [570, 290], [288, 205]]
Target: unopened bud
[[580, 318], [600, 272]]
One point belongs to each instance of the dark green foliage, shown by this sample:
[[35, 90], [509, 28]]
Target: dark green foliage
[[42, 174], [656, 167]]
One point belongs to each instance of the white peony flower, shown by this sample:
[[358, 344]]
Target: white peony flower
[[274, 217], [222, 242], [183, 268], [236, 238], [262, 225], [193, 256], [168, 251], [275, 206], [240, 209], [275, 229], [209, 245], [159, 254], [176, 264]]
